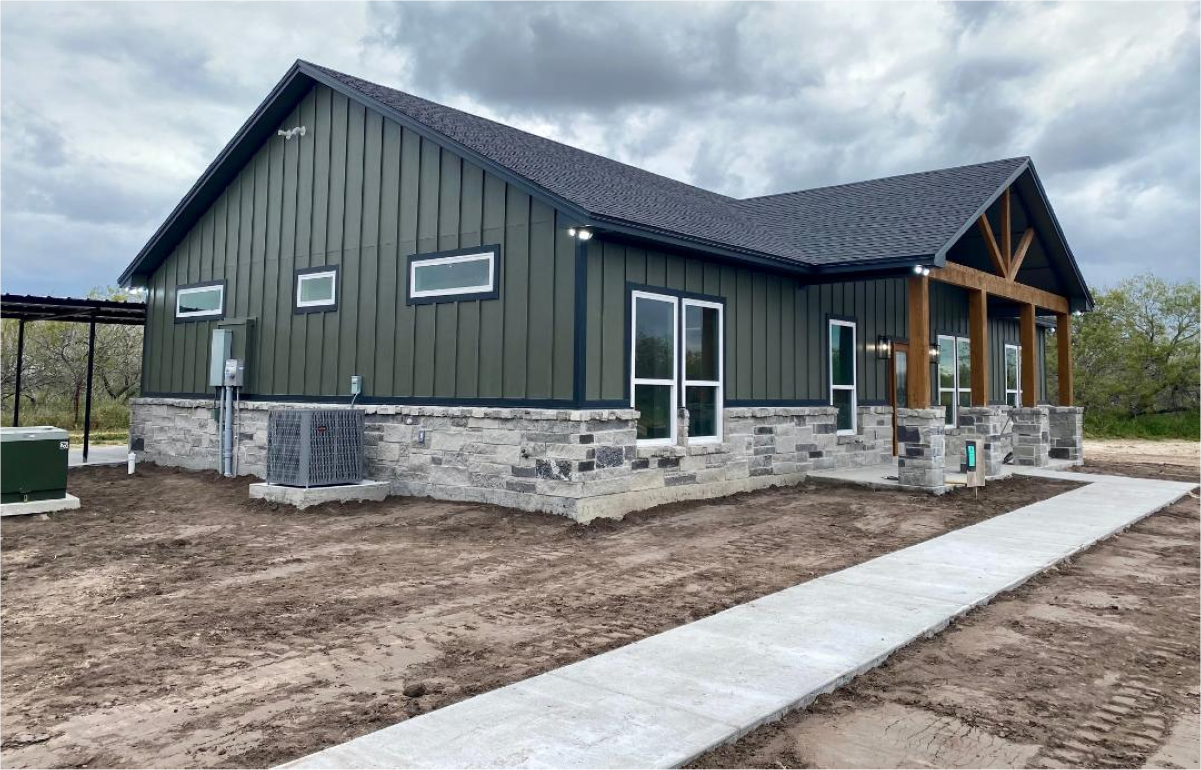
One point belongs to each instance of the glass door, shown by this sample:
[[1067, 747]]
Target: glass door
[[899, 376]]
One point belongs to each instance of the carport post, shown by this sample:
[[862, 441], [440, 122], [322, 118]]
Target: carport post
[[87, 399], [17, 385]]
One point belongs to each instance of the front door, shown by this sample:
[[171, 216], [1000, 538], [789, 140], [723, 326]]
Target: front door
[[898, 383]]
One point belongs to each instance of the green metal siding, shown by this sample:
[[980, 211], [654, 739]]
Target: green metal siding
[[362, 192], [775, 326]]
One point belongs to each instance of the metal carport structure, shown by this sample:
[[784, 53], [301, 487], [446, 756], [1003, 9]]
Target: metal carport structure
[[25, 308]]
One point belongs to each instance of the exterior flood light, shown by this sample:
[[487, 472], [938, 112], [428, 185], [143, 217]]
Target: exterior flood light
[[571, 231], [584, 235], [917, 269]]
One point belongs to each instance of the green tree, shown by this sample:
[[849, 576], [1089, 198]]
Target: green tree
[[1138, 351]]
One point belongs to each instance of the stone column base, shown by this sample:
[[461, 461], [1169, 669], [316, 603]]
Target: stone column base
[[1066, 424], [1031, 436], [987, 425], [921, 441]]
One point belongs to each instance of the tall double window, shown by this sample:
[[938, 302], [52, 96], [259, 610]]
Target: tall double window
[[658, 382], [954, 375], [1013, 375], [842, 373]]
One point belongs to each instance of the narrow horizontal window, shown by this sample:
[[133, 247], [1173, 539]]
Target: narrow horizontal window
[[450, 276], [317, 288], [201, 301]]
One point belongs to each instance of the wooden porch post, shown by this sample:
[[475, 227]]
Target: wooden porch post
[[1063, 338], [1029, 351], [919, 342], [978, 335]]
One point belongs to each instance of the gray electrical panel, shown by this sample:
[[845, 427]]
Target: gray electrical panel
[[220, 351], [314, 447]]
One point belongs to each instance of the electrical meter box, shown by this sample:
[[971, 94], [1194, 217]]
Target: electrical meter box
[[33, 464], [234, 373], [242, 348], [222, 350]]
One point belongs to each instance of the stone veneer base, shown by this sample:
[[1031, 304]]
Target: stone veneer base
[[583, 464]]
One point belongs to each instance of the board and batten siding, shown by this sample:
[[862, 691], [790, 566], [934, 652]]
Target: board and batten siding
[[362, 192], [775, 326]]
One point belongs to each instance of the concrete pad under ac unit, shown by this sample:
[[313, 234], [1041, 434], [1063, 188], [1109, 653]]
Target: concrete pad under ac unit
[[64, 503], [303, 497]]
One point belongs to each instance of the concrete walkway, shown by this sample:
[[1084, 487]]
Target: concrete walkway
[[662, 701]]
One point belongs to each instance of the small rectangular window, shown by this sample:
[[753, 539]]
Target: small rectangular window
[[842, 373], [200, 301], [451, 276], [317, 289]]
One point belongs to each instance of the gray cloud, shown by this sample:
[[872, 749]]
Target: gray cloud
[[110, 111]]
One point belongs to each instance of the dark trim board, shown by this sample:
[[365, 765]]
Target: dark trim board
[[579, 362]]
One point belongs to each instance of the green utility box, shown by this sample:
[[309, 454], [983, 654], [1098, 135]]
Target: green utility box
[[33, 464]]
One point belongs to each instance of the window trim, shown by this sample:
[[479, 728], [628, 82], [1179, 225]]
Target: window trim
[[718, 385], [1017, 401], [854, 386], [635, 380], [199, 315], [315, 306], [491, 290]]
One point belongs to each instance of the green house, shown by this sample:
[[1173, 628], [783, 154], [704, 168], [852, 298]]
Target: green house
[[566, 332]]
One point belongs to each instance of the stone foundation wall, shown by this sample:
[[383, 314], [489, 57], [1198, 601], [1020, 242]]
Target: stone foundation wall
[[579, 463]]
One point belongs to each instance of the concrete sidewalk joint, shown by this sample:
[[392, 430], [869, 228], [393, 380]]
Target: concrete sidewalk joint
[[664, 700]]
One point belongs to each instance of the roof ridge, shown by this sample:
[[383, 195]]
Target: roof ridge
[[439, 105], [929, 172]]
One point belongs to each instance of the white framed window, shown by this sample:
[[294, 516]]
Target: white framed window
[[317, 288], [843, 374], [704, 357], [454, 275], [654, 365], [200, 301], [954, 375], [1013, 375]]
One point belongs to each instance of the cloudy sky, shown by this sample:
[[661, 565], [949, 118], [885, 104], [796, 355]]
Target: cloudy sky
[[108, 113]]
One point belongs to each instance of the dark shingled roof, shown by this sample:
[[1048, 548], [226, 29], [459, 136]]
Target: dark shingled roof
[[910, 216], [882, 223]]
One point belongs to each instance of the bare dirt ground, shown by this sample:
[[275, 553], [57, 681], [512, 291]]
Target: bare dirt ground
[[1170, 460], [173, 622], [1092, 665]]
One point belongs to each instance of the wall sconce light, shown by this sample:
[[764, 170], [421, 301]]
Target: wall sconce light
[[934, 354], [883, 348]]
